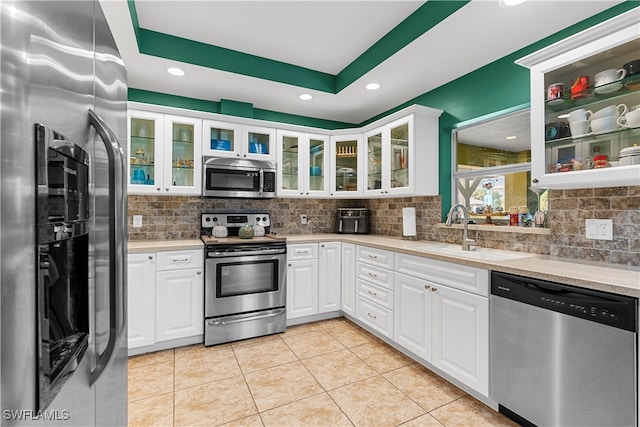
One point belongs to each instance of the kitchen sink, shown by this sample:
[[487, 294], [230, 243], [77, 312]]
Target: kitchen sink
[[477, 253]]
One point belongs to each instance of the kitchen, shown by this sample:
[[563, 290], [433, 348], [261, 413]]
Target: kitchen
[[156, 223]]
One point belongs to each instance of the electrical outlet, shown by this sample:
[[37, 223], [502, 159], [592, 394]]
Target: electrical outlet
[[137, 221], [599, 229], [304, 219]]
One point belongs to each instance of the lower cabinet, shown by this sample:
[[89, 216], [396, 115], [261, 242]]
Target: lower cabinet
[[165, 298], [314, 278], [141, 273], [447, 325], [374, 289]]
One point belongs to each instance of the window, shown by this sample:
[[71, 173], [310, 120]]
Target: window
[[492, 168]]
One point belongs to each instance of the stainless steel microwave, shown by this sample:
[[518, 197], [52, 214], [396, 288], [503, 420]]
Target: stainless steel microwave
[[228, 177]]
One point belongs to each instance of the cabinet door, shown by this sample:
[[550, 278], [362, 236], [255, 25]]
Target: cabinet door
[[221, 139], [141, 277], [346, 177], [412, 314], [461, 336], [348, 279], [399, 157], [145, 172], [329, 277], [302, 288], [316, 165], [182, 155], [374, 141], [291, 150], [258, 143], [179, 304]]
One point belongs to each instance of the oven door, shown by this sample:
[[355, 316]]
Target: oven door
[[241, 284]]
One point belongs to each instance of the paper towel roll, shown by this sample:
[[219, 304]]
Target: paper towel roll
[[408, 221]]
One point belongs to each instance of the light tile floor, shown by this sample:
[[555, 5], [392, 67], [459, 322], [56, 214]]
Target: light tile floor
[[329, 373]]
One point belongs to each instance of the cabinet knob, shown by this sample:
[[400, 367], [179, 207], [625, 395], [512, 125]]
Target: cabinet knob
[[199, 273], [535, 180], [427, 287], [289, 265], [245, 155], [158, 188], [150, 257], [434, 289], [166, 189], [322, 246], [307, 193]]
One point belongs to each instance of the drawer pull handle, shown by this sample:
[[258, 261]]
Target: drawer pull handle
[[427, 287], [372, 293], [180, 260], [373, 256], [371, 315], [373, 275]]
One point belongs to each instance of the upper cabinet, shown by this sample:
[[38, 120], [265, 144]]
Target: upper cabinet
[[346, 178], [585, 107], [224, 139], [164, 154], [302, 164]]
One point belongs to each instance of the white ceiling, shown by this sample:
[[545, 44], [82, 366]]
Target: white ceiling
[[327, 36]]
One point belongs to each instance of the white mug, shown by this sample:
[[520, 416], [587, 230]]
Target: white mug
[[579, 128], [579, 115], [610, 76], [630, 120], [611, 110], [604, 125]]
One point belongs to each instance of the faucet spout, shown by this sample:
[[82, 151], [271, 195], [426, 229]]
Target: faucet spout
[[466, 242]]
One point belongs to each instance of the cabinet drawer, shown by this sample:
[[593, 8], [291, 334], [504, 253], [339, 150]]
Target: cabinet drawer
[[179, 260], [376, 275], [302, 251], [463, 277], [375, 316], [373, 256], [377, 294]]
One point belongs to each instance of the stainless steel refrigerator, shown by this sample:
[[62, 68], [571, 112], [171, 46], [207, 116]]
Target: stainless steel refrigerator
[[62, 216]]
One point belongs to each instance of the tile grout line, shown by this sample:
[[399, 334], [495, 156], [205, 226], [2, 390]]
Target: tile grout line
[[244, 378]]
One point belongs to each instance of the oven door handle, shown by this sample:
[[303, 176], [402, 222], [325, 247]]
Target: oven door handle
[[247, 253], [218, 322]]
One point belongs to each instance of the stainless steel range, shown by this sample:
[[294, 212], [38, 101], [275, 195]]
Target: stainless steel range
[[245, 279]]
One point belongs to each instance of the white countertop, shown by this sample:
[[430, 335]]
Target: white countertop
[[613, 278]]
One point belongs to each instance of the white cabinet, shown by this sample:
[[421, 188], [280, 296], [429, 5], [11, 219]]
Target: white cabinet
[[402, 154], [374, 289], [314, 277], [330, 277], [302, 280], [348, 278], [165, 154], [412, 322], [165, 298], [141, 274], [303, 163], [179, 304], [559, 161], [225, 139], [347, 178], [442, 315], [460, 336]]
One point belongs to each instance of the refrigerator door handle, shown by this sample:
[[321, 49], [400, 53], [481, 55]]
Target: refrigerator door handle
[[116, 277]]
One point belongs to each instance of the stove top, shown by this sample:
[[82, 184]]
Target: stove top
[[234, 240]]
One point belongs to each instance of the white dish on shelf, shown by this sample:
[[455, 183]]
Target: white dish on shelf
[[584, 135], [608, 88]]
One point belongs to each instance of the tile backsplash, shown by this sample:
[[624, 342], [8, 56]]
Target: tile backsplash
[[178, 217]]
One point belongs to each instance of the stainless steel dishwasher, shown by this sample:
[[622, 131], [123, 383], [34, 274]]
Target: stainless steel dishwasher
[[562, 355]]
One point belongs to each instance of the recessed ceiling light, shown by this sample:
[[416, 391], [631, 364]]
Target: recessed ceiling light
[[512, 2], [511, 137], [305, 97], [372, 86], [175, 71]]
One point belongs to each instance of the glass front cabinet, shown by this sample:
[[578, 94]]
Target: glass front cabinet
[[585, 107], [164, 154], [389, 156], [223, 139], [346, 179], [302, 164]]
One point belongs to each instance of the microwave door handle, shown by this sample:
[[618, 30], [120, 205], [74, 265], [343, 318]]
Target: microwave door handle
[[117, 203], [261, 189], [356, 227], [340, 226]]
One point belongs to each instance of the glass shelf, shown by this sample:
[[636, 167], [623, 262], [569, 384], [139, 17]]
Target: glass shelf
[[625, 88], [630, 135]]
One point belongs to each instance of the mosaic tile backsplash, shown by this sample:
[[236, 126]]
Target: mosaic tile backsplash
[[178, 217]]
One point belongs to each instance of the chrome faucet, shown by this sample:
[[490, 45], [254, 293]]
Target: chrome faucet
[[466, 242]]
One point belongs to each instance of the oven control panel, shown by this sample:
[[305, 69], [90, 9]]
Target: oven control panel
[[210, 220]]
